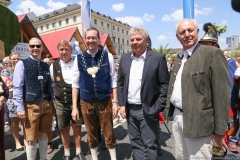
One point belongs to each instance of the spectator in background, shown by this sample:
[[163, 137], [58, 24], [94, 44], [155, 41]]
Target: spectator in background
[[5, 62], [12, 110]]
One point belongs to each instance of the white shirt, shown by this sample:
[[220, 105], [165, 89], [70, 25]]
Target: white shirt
[[66, 69], [176, 98], [76, 73], [135, 79]]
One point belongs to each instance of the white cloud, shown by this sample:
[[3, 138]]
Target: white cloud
[[204, 11], [55, 5], [177, 15], [224, 22], [161, 38], [132, 21], [148, 17], [118, 7], [27, 5]]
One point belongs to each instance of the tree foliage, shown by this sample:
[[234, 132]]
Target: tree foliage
[[166, 51]]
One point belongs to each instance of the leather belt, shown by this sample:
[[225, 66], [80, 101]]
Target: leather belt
[[134, 104], [180, 109]]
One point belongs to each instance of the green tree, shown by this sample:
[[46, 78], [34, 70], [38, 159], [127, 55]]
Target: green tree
[[166, 51]]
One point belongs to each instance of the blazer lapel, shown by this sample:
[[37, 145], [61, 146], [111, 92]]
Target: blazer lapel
[[145, 67], [127, 67]]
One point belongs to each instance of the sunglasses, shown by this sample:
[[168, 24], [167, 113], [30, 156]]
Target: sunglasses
[[33, 46]]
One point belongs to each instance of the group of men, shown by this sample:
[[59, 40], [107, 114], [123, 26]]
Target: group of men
[[197, 95]]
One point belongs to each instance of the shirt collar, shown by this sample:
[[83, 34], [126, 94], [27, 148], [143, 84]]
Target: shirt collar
[[189, 51], [93, 55], [34, 58], [142, 56], [63, 63]]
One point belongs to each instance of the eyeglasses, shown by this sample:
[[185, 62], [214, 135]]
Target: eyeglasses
[[33, 46]]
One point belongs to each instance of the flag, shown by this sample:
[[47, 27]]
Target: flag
[[86, 14]]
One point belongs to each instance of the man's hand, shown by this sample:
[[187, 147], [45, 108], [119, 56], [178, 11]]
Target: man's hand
[[237, 73], [21, 115], [123, 112], [75, 114], [114, 109], [220, 141]]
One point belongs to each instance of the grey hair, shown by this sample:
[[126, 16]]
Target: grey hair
[[194, 21], [137, 30], [62, 42], [35, 38], [6, 59]]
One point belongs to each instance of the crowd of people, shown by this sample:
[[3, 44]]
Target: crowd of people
[[197, 89]]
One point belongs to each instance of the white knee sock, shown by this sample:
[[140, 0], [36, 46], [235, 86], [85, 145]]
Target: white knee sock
[[78, 150], [67, 152], [42, 148], [113, 153], [31, 152], [94, 152]]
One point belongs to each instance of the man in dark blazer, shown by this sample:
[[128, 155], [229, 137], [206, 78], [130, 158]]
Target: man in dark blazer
[[199, 96], [142, 88]]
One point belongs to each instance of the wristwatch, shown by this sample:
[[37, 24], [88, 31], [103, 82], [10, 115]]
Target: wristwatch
[[114, 102]]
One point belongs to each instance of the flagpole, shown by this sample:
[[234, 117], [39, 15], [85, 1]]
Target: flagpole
[[188, 9]]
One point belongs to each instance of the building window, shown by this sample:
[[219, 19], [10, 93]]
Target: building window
[[60, 23], [118, 40], [123, 41], [127, 32], [122, 30], [53, 24], [127, 42], [102, 25], [67, 21], [47, 26], [118, 29], [41, 28], [95, 21], [36, 28], [113, 28], [113, 39], [74, 18], [108, 26]]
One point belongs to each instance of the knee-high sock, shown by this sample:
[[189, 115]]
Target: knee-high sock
[[31, 152], [67, 152], [42, 148], [113, 153], [94, 152], [78, 150]]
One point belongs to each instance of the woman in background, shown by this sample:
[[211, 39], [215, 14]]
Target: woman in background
[[12, 112]]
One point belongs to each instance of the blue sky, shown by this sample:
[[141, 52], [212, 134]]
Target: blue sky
[[159, 17]]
